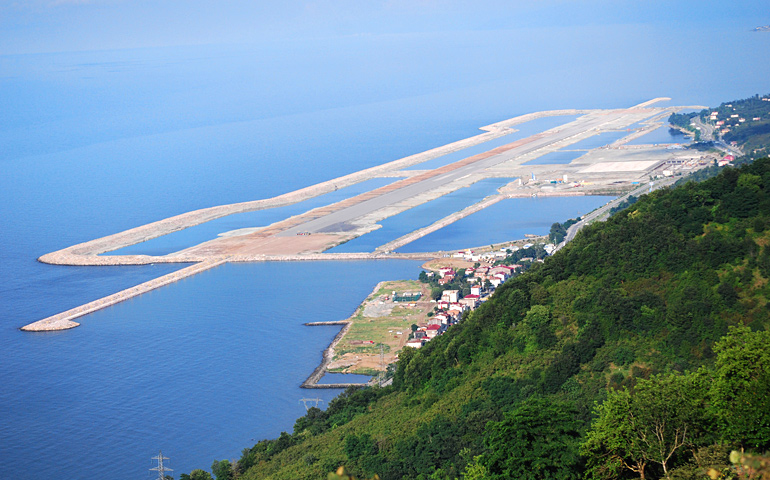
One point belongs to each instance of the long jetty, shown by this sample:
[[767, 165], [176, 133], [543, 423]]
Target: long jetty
[[64, 320]]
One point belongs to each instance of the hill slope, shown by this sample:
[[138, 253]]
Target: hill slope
[[511, 390]]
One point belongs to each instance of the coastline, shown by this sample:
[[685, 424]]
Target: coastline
[[327, 356], [290, 239]]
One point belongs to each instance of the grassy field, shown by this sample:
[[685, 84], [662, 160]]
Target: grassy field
[[377, 322]]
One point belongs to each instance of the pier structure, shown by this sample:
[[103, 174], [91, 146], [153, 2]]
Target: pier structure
[[307, 236]]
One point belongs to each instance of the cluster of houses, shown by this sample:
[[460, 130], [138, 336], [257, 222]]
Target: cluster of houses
[[450, 308], [726, 124], [492, 256]]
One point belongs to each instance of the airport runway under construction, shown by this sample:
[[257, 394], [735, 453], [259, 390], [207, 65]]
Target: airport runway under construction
[[611, 169]]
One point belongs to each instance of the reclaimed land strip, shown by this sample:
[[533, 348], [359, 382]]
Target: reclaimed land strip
[[84, 253], [64, 320], [290, 227], [312, 257]]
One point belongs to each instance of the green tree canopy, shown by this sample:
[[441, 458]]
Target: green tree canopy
[[635, 431], [539, 439], [740, 390]]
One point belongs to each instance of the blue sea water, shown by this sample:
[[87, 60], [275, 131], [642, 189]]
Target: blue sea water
[[201, 369], [100, 141], [343, 378]]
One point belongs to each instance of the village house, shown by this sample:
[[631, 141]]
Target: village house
[[434, 321], [726, 160], [500, 269], [450, 296], [447, 271], [457, 307], [414, 343], [470, 301], [481, 271], [434, 330]]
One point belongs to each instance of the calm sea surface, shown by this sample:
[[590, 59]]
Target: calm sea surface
[[97, 142]]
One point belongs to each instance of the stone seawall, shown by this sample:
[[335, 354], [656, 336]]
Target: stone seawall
[[64, 320], [328, 354]]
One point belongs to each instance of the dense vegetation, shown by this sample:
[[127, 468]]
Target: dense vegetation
[[638, 350], [559, 230], [748, 121], [569, 369], [624, 204]]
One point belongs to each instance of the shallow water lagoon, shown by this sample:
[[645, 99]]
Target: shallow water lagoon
[[598, 141], [664, 134], [506, 220], [422, 215]]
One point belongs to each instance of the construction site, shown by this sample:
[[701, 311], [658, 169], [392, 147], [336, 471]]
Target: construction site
[[613, 168]]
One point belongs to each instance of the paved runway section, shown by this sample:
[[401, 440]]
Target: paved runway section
[[339, 220]]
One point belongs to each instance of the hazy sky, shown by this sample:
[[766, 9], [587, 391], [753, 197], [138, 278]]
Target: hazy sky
[[31, 26]]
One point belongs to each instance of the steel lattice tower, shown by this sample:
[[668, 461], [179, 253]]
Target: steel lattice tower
[[160, 468]]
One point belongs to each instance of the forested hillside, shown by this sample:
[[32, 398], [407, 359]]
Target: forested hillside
[[639, 350]]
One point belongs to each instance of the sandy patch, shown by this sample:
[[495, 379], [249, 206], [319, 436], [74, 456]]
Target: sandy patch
[[255, 244], [240, 231], [605, 167]]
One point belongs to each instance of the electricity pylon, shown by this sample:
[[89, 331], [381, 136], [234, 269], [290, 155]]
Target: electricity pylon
[[306, 400], [160, 468]]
